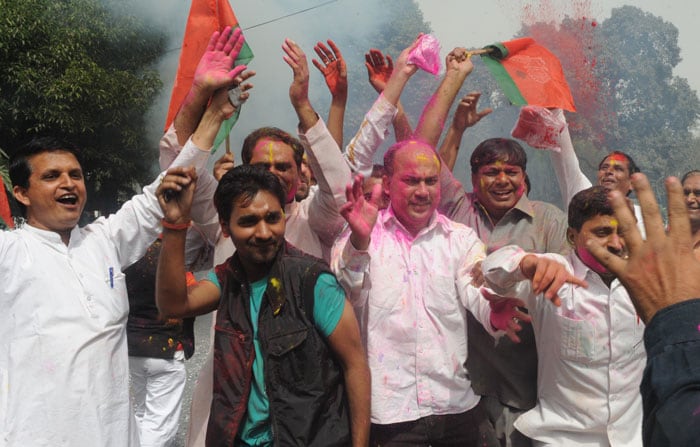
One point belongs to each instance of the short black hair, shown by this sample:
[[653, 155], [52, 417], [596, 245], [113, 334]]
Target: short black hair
[[20, 169], [245, 181], [498, 149], [587, 204], [631, 165], [378, 171], [272, 133]]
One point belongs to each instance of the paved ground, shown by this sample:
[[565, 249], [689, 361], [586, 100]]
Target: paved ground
[[202, 327]]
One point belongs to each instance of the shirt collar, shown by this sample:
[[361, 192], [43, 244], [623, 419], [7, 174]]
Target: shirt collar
[[52, 237], [581, 270], [388, 217], [523, 205]]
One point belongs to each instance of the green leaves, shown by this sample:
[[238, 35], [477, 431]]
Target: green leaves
[[81, 70]]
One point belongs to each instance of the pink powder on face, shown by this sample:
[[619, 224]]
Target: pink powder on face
[[590, 261]]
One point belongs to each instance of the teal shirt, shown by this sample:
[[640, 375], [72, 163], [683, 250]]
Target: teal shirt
[[329, 302]]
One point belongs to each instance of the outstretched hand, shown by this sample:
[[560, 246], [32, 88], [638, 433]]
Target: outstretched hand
[[379, 68], [333, 68], [505, 313], [175, 194], [661, 270], [548, 276], [361, 214], [215, 69], [296, 59], [466, 114]]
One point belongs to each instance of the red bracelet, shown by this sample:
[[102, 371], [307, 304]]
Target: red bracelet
[[175, 227]]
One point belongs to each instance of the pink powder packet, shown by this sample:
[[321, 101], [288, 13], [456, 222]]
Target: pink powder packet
[[426, 55], [539, 127]]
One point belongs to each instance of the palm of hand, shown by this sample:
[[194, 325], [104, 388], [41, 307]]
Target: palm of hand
[[336, 76], [379, 75], [213, 69], [361, 216]]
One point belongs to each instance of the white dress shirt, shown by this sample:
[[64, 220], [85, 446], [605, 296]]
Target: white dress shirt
[[591, 356], [64, 376], [411, 295]]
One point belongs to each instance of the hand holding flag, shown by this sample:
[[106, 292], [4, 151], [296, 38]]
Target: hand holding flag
[[528, 73]]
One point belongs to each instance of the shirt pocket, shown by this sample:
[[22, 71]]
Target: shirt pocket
[[290, 360], [441, 297], [578, 339]]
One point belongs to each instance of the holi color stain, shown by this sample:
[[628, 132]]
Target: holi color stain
[[568, 30]]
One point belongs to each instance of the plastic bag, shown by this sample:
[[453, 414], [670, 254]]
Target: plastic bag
[[426, 55], [539, 127]]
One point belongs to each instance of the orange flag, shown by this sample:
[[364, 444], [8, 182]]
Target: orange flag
[[529, 73], [206, 16], [5, 213]]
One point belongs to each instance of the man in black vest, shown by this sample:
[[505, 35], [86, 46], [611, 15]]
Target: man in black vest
[[289, 367]]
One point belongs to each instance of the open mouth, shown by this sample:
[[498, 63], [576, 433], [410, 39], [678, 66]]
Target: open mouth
[[68, 199], [501, 194]]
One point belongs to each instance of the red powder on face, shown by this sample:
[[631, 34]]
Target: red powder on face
[[594, 23], [617, 157]]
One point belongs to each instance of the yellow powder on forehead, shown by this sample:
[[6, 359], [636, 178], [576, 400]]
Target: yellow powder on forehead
[[614, 222], [270, 153], [422, 157]]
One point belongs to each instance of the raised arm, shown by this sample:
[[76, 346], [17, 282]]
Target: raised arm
[[214, 71], [458, 66], [299, 89], [335, 73], [465, 116], [379, 70], [375, 127], [350, 259], [547, 129], [172, 296]]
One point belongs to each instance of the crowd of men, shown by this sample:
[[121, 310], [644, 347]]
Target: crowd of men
[[355, 304]]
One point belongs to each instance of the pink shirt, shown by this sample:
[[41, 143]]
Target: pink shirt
[[411, 296]]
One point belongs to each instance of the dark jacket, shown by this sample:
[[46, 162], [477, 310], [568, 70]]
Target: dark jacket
[[303, 380], [147, 334], [671, 384]]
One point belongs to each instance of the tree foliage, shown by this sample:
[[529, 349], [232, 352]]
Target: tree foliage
[[621, 75], [400, 25], [81, 70]]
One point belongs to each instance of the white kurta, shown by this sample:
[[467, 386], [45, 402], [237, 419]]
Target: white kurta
[[64, 376]]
